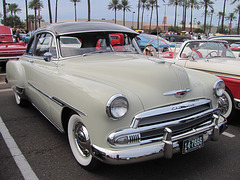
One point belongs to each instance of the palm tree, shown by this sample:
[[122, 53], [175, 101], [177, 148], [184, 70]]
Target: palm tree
[[114, 5], [224, 6], [174, 3], [206, 4], [89, 8], [13, 8], [75, 9], [144, 5], [138, 17], [35, 5], [49, 11], [237, 10], [31, 21], [125, 7], [230, 17], [152, 5], [193, 4]]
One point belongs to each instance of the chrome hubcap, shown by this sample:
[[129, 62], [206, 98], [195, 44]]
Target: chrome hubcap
[[223, 104], [82, 139]]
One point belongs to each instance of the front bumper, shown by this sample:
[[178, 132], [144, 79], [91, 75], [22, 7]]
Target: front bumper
[[163, 148], [237, 103]]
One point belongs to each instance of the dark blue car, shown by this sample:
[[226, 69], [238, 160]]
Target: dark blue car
[[157, 42]]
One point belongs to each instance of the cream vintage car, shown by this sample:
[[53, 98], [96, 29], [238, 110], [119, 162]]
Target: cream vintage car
[[117, 105], [215, 57]]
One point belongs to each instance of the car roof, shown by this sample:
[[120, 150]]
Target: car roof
[[226, 37], [84, 26]]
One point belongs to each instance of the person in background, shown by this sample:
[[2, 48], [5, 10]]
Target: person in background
[[17, 35]]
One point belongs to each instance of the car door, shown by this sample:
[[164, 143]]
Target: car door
[[40, 74]]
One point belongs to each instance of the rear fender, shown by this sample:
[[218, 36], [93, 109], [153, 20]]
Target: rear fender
[[16, 76]]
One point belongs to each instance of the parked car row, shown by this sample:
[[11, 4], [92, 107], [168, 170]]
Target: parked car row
[[9, 49], [118, 106]]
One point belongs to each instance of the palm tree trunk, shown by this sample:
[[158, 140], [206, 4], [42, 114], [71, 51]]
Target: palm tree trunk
[[157, 14], [124, 17], [150, 24], [89, 8], [175, 19], [211, 23], [142, 18], [27, 15], [49, 10], [205, 18], [75, 8], [224, 5], [56, 11], [35, 15], [115, 15], [191, 29], [238, 22], [138, 14]]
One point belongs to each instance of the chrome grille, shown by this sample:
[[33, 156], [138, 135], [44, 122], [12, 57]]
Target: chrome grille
[[179, 118]]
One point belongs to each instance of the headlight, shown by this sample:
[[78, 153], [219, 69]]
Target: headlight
[[117, 106], [219, 88]]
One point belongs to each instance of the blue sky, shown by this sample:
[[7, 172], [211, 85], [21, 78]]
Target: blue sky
[[99, 10]]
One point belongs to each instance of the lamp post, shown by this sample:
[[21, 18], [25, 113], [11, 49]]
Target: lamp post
[[165, 18], [133, 19]]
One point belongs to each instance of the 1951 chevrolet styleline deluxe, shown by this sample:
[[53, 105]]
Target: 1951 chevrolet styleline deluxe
[[117, 105]]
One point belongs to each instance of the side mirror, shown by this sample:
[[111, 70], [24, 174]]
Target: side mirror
[[47, 56]]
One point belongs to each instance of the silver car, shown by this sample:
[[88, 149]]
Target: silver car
[[116, 105]]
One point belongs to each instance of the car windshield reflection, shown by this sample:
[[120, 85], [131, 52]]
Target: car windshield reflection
[[92, 43], [206, 49]]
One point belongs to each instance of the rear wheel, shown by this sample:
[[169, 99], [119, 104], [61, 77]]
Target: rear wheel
[[19, 100], [80, 144]]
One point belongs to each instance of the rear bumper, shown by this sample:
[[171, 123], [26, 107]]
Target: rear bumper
[[168, 146]]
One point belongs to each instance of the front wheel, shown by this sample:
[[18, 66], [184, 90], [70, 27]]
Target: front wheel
[[226, 105], [80, 144]]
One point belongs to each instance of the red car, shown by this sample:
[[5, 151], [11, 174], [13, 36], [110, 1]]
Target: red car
[[8, 48]]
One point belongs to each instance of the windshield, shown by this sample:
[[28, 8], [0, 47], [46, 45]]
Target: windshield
[[91, 43], [206, 49]]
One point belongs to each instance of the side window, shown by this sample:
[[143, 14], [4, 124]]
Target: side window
[[44, 44], [31, 43]]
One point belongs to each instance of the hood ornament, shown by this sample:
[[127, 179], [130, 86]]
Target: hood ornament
[[178, 93]]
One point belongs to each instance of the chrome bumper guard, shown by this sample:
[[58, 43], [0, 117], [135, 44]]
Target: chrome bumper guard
[[237, 103], [164, 148]]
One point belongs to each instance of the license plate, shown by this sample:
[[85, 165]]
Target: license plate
[[192, 144]]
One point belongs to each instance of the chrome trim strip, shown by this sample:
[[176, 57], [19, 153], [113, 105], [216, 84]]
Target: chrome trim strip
[[168, 109], [176, 92], [58, 101]]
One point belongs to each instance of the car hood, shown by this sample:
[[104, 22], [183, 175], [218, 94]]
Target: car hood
[[217, 65], [147, 78]]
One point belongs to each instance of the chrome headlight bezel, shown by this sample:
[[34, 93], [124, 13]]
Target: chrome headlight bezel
[[117, 106], [219, 88]]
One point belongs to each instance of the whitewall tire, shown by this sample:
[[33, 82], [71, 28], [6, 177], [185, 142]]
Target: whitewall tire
[[79, 141]]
